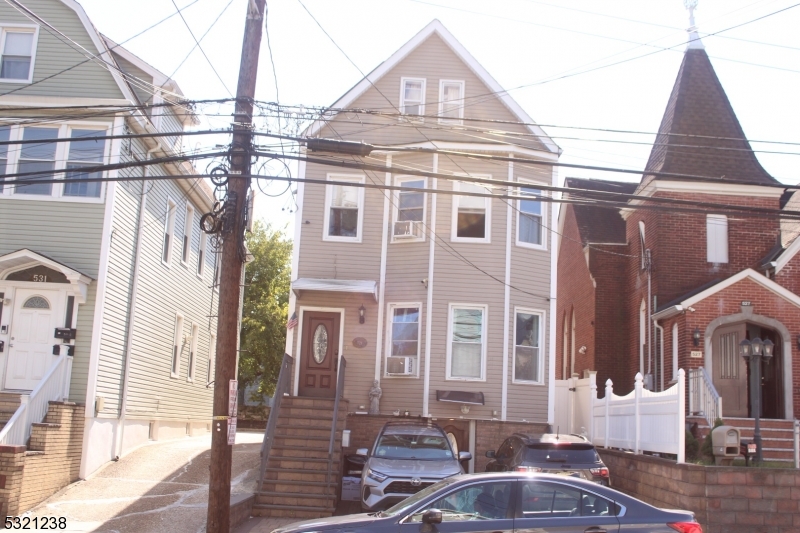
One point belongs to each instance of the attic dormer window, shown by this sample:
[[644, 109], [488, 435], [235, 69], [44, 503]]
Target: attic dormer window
[[412, 96], [16, 57]]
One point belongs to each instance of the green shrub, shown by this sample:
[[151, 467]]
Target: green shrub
[[692, 447]]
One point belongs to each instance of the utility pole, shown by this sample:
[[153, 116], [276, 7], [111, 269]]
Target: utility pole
[[232, 259]]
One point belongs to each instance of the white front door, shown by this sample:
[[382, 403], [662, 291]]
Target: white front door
[[33, 323]]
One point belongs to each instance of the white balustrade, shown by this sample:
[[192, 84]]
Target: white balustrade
[[54, 386], [704, 400]]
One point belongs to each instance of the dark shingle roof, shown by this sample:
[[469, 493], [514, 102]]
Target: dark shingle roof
[[599, 224], [699, 106]]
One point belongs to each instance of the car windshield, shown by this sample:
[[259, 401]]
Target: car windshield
[[410, 445], [411, 501], [555, 453]]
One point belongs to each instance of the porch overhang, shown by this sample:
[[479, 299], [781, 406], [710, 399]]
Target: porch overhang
[[669, 312], [25, 258], [336, 285]]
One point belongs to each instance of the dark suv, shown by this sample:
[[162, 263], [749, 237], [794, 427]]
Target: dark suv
[[569, 455]]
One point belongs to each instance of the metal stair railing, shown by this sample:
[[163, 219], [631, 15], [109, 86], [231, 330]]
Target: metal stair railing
[[284, 379], [339, 393], [704, 400], [54, 386]]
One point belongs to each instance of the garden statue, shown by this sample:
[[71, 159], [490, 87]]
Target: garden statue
[[374, 397]]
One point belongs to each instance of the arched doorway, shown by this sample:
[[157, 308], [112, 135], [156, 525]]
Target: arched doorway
[[730, 373]]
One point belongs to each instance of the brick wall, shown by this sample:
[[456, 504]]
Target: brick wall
[[52, 460], [725, 499]]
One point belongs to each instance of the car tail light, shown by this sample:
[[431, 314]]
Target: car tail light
[[528, 469], [599, 472], [686, 527]]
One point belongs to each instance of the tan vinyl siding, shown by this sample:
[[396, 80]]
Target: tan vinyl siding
[[90, 79], [433, 60], [163, 291]]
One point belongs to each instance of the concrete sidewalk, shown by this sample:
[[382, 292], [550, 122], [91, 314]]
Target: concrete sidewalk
[[159, 487]]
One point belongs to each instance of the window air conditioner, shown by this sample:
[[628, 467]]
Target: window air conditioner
[[400, 366], [407, 229]]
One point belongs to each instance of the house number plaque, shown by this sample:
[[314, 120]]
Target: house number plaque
[[697, 354]]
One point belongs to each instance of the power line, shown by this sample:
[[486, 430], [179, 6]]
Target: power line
[[197, 44]]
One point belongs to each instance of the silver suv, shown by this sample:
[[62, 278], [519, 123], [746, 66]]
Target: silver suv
[[407, 457]]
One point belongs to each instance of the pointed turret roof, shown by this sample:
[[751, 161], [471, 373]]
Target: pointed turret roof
[[699, 133]]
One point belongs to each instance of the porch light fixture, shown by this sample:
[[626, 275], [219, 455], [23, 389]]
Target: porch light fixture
[[696, 336], [361, 311], [755, 351], [745, 348], [757, 345], [768, 348]]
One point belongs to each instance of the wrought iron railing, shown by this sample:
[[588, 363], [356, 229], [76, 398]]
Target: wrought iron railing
[[282, 387], [339, 393], [704, 400], [54, 386]]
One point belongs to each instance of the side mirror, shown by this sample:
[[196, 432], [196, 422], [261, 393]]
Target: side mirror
[[432, 516], [464, 456], [490, 454], [362, 451]]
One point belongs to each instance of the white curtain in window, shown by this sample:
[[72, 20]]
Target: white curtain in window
[[467, 346], [717, 238]]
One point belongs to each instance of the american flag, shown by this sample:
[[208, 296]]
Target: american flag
[[292, 321]]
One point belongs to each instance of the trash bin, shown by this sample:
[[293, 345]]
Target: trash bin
[[354, 464]]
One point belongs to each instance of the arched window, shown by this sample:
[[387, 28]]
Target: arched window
[[675, 351], [642, 247], [642, 334], [564, 348], [36, 302], [572, 347]]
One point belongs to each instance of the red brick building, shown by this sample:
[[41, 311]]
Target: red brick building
[[652, 290]]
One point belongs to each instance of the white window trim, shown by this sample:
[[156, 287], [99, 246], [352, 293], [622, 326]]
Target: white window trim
[[398, 181], [642, 246], [61, 155], [403, 116], [201, 255], [540, 371], [212, 356], [389, 326], [169, 229], [722, 222], [524, 244], [177, 340], [188, 228], [26, 28], [459, 120], [487, 202], [353, 178], [192, 366], [451, 307]]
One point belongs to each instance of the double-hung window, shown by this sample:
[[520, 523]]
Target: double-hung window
[[527, 346], [5, 135], [530, 213], [466, 347], [717, 238], [169, 231], [471, 214], [177, 346], [344, 210], [192, 352], [412, 96], [404, 338], [409, 209], [188, 226], [84, 154], [38, 160], [201, 253], [451, 101], [18, 52]]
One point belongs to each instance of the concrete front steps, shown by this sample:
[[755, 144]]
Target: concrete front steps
[[777, 436], [9, 403], [297, 482]]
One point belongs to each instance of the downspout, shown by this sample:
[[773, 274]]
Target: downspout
[[426, 378], [649, 259], [661, 347], [132, 307]]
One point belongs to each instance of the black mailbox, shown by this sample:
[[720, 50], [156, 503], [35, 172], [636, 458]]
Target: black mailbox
[[70, 350], [65, 333], [2, 346]]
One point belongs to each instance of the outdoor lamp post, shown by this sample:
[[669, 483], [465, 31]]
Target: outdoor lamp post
[[753, 352]]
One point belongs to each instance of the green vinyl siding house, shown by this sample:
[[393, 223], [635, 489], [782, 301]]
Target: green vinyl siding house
[[107, 294]]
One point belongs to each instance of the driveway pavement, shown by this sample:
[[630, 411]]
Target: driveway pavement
[[159, 487]]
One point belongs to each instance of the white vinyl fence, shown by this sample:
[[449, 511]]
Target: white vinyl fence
[[641, 421]]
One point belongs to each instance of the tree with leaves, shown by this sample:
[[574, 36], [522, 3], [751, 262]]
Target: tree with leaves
[[266, 302]]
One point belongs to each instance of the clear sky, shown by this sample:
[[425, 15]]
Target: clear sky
[[528, 43]]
